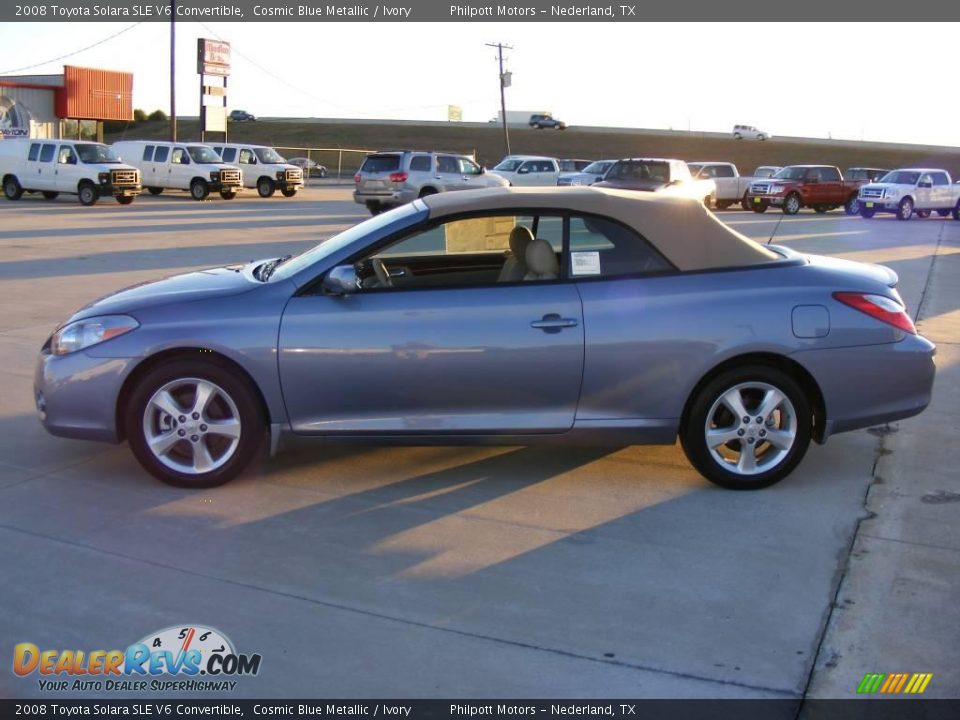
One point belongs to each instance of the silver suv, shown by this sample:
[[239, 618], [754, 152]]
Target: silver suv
[[388, 179]]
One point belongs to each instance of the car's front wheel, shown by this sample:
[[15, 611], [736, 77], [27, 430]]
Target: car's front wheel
[[194, 424], [905, 209], [289, 192], [199, 189], [265, 187], [791, 204], [748, 428]]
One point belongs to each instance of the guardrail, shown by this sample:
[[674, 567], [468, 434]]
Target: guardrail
[[339, 162]]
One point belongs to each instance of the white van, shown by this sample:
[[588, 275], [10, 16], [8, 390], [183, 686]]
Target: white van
[[88, 170], [263, 168], [181, 166]]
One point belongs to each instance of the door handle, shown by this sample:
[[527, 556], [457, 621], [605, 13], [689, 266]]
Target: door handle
[[553, 323]]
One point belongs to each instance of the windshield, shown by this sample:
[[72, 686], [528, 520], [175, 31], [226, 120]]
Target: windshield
[[901, 177], [694, 168], [639, 170], [268, 155], [96, 153], [598, 168], [337, 242], [203, 154], [764, 172], [509, 165], [791, 173]]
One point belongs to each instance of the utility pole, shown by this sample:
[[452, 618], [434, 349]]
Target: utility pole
[[504, 81], [173, 70]]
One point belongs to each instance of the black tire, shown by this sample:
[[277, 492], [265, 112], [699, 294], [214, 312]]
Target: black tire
[[693, 432], [943, 213], [723, 204], [852, 206], [125, 199], [374, 208], [792, 204], [323, 173], [820, 209], [956, 211], [709, 202], [288, 192], [737, 136], [235, 385], [199, 189], [867, 213], [536, 126], [760, 207], [228, 194], [12, 189], [266, 187], [923, 214], [88, 194], [905, 209], [427, 191], [50, 194], [154, 190], [745, 202]]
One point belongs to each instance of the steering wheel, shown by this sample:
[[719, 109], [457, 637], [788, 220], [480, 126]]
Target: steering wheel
[[383, 276]]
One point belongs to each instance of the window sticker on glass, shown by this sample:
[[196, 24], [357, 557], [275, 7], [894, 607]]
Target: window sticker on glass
[[585, 263]]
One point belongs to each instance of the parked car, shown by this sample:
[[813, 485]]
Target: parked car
[[310, 168], [241, 116], [571, 165], [749, 132], [263, 168], [765, 171], [592, 173], [864, 173], [821, 187], [85, 169], [546, 120], [181, 166], [528, 170], [732, 187], [554, 315], [659, 175], [389, 179], [911, 190]]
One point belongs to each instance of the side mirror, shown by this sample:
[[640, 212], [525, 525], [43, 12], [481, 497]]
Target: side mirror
[[341, 280], [483, 169]]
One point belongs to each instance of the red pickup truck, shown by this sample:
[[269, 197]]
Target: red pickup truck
[[820, 187]]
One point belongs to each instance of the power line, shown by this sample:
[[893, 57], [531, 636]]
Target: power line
[[75, 52]]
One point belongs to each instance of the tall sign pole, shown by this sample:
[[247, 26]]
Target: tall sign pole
[[173, 68], [505, 79]]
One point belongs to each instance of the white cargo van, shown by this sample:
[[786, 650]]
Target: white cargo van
[[88, 170], [181, 166], [263, 168]]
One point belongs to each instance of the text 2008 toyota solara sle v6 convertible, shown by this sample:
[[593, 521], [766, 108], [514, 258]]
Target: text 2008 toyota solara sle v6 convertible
[[508, 316]]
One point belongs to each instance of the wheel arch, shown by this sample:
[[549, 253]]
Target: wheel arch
[[781, 362], [181, 353]]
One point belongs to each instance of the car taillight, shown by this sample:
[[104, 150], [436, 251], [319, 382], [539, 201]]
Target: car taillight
[[356, 179], [398, 177], [882, 308]]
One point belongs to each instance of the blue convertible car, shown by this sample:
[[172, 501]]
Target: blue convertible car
[[508, 316]]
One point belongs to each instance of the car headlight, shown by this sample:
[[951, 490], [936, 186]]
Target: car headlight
[[91, 331], [279, 174], [214, 174], [891, 192], [104, 177]]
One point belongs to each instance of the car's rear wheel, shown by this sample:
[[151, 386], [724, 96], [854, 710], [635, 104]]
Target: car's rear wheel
[[943, 213], [427, 191], [867, 213], [50, 194], [12, 189], [745, 202], [88, 194], [199, 189], [265, 187], [194, 424], [154, 190], [747, 428], [820, 209], [723, 204], [923, 214], [905, 209], [956, 211], [374, 208], [852, 206], [791, 204]]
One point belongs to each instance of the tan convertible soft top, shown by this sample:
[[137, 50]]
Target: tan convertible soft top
[[682, 229]]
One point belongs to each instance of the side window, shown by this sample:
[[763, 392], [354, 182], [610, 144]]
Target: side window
[[829, 174], [34, 151], [246, 157], [179, 157], [161, 153], [812, 174], [447, 164], [67, 156], [925, 180], [468, 166], [723, 171], [47, 152], [148, 153], [420, 163], [527, 167], [229, 154], [603, 248], [940, 178]]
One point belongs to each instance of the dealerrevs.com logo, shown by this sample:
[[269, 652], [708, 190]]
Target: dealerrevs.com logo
[[182, 658]]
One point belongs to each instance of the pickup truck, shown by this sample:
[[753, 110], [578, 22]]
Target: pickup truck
[[820, 187], [911, 190], [732, 187], [669, 177]]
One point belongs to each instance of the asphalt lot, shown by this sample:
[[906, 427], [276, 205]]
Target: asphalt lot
[[476, 572]]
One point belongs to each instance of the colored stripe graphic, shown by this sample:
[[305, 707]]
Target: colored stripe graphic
[[894, 683], [870, 683]]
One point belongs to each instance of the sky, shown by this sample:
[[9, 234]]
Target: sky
[[804, 79]]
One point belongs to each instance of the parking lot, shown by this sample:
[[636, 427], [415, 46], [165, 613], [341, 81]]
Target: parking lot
[[477, 572]]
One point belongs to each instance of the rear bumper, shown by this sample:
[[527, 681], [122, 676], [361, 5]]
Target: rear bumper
[[874, 384], [387, 197]]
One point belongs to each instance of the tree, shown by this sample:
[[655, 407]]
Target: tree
[[157, 115], [139, 116]]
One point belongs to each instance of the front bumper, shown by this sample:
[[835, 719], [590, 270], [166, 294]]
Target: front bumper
[[120, 190], [768, 199], [870, 385], [76, 395], [879, 204]]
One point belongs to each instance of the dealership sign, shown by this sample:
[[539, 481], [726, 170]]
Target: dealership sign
[[213, 57], [14, 119]]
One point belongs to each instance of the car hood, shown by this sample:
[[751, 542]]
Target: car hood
[[198, 285]]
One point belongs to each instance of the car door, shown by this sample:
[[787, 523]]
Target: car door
[[44, 176], [925, 192], [473, 176], [448, 174], [179, 169], [526, 174], [941, 191], [449, 351], [68, 170]]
